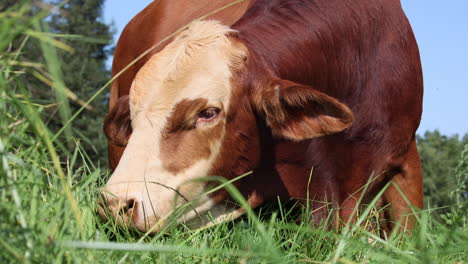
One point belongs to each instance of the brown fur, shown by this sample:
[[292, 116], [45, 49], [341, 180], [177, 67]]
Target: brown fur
[[362, 53], [181, 144], [118, 128]]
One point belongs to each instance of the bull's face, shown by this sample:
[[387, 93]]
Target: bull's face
[[190, 118]]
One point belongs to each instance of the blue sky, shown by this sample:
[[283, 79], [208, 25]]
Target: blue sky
[[441, 29]]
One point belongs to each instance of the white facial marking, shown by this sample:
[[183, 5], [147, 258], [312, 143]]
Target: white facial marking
[[196, 65]]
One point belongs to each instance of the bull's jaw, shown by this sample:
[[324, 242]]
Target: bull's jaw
[[210, 213]]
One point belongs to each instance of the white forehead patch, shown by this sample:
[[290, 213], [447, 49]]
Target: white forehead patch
[[197, 64]]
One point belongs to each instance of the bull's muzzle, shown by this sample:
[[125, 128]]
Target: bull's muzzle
[[124, 210]]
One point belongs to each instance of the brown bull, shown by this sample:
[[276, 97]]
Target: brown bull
[[276, 87]]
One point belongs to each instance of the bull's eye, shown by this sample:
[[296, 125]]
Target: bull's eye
[[208, 115]]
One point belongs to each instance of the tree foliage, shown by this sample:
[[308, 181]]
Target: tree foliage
[[444, 169], [84, 68], [81, 44]]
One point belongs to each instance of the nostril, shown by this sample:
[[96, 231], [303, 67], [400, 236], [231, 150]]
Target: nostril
[[123, 209], [128, 206]]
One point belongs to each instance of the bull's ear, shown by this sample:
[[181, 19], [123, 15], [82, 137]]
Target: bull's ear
[[299, 112]]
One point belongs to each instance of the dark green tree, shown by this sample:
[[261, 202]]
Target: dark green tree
[[84, 70], [6, 4], [78, 26], [440, 157]]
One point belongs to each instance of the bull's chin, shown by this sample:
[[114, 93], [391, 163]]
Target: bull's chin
[[209, 214], [148, 224], [205, 215]]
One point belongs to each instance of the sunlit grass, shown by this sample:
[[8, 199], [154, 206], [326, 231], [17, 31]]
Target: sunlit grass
[[48, 202]]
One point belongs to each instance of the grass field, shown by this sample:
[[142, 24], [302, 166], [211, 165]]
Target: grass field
[[49, 190]]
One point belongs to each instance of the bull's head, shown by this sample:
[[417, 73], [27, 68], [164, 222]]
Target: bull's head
[[195, 109]]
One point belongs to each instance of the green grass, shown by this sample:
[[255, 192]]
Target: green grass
[[49, 190]]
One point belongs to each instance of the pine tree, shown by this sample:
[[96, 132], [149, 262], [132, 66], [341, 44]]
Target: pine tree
[[84, 70], [79, 25]]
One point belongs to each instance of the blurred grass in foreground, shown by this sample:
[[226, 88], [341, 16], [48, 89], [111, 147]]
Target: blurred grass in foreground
[[48, 205]]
